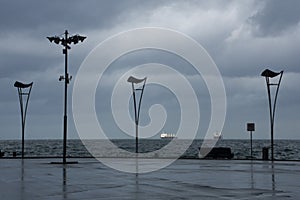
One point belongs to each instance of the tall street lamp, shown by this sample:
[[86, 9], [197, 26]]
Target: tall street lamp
[[137, 108], [270, 74], [21, 87], [65, 42]]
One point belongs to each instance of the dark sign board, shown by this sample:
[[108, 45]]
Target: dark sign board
[[250, 127]]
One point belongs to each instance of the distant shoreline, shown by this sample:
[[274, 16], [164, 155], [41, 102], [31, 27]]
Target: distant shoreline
[[146, 139]]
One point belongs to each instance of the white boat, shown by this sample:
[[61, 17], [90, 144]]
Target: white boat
[[167, 136], [218, 136]]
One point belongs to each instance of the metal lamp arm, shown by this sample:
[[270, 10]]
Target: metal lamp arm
[[269, 99], [276, 94], [140, 102], [134, 104], [21, 105], [26, 105]]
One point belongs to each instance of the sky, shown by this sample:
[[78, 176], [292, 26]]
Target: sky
[[242, 37]]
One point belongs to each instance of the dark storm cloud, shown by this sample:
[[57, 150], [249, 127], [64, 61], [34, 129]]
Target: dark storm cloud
[[23, 65], [277, 17], [57, 15], [243, 38], [36, 14], [24, 26]]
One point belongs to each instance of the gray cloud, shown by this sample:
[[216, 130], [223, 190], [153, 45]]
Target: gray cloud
[[58, 15], [276, 17], [243, 38]]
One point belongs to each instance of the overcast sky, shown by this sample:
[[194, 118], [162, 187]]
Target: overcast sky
[[242, 37]]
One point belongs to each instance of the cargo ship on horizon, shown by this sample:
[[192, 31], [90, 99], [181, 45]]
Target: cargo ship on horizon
[[169, 136]]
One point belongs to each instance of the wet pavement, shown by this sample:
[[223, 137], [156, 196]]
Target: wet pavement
[[184, 179]]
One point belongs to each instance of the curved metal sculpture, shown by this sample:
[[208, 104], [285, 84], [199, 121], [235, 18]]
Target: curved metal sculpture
[[133, 81], [22, 86], [270, 74]]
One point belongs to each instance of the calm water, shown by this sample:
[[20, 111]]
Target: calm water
[[283, 149]]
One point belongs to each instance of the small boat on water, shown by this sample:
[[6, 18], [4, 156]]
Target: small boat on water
[[167, 136], [218, 136]]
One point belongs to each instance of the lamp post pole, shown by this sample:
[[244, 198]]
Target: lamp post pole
[[20, 86], [65, 51], [251, 153], [270, 74], [137, 109], [136, 120], [65, 41]]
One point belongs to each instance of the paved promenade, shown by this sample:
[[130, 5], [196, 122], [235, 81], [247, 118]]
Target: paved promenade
[[185, 179]]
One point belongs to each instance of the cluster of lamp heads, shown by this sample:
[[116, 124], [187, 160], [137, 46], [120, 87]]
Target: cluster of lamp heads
[[73, 39]]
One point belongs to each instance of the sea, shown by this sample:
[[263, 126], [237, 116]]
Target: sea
[[283, 149]]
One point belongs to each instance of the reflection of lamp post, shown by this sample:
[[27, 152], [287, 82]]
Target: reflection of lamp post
[[270, 74], [21, 93], [133, 81], [65, 41]]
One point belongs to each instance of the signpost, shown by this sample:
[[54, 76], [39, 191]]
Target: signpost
[[251, 127]]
